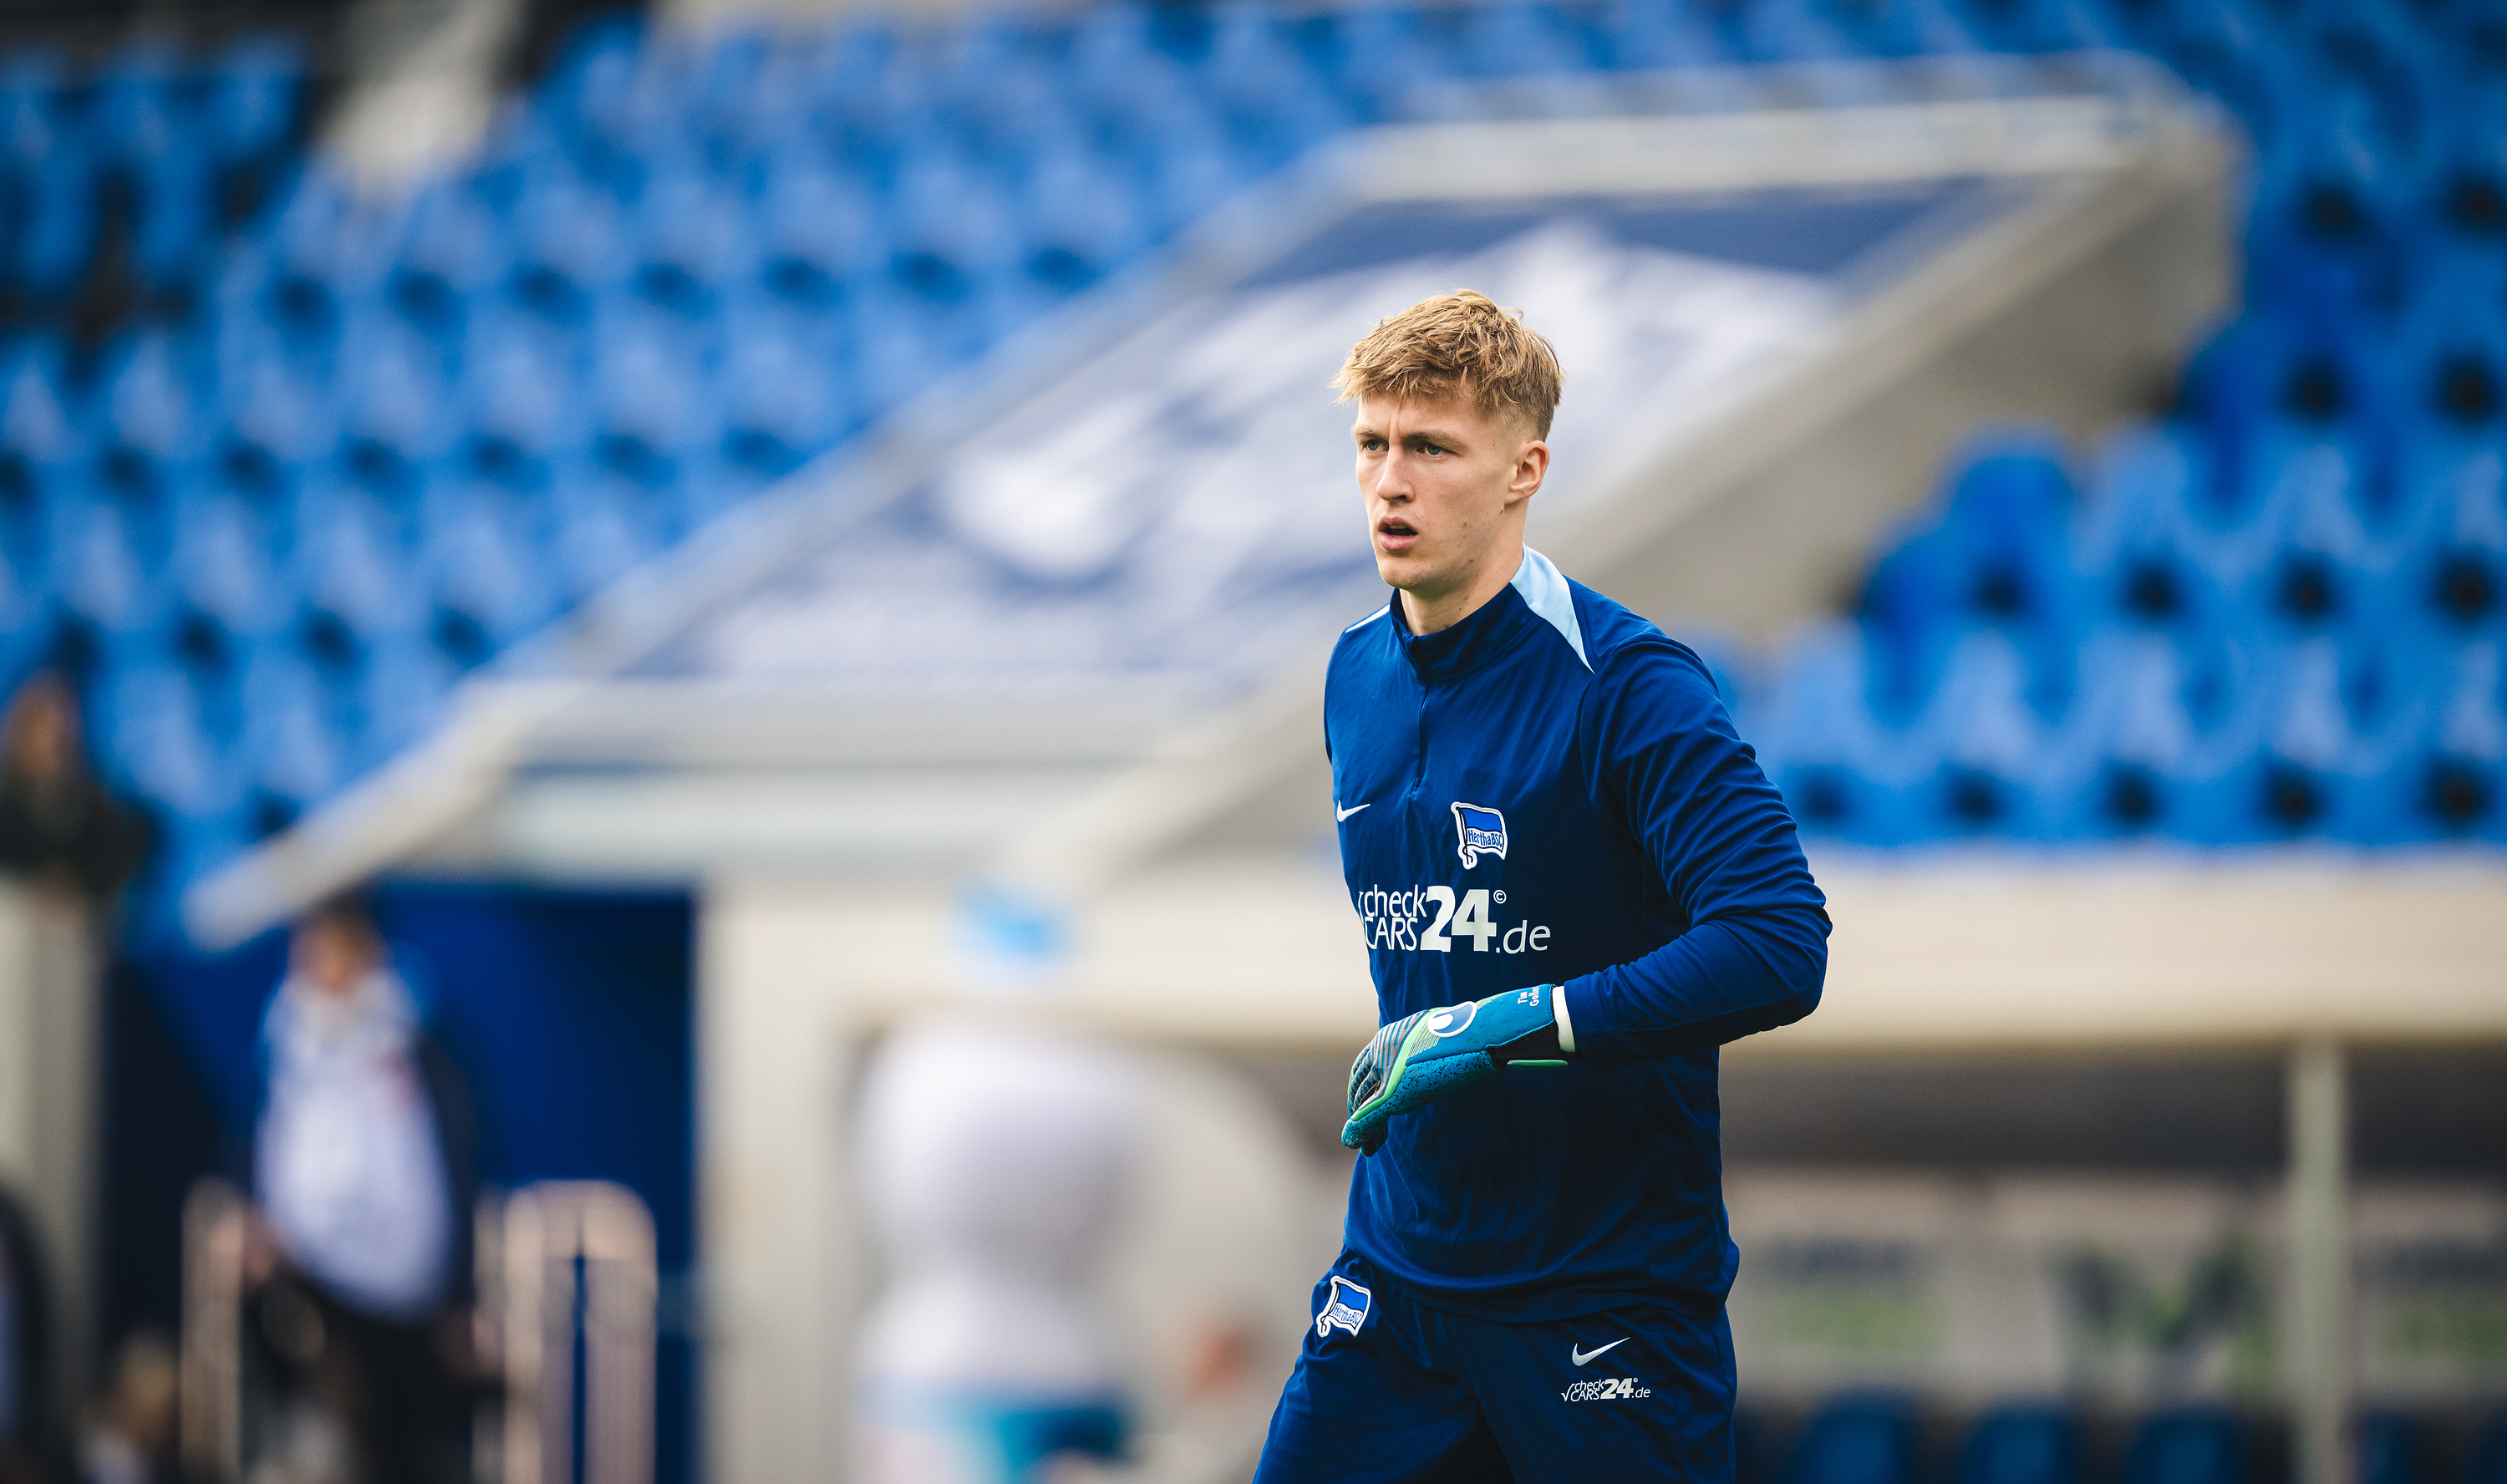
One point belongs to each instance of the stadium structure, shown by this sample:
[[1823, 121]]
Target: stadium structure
[[871, 485]]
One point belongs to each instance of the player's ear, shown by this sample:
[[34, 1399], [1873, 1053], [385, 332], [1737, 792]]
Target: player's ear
[[1531, 467]]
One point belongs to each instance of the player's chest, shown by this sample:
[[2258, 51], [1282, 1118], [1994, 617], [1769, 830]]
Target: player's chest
[[1470, 786]]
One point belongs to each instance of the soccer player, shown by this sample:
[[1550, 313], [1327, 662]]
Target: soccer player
[[1575, 884]]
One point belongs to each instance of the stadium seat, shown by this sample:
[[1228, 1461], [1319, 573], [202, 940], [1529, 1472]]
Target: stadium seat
[[2031, 1444], [2393, 1449], [682, 267], [484, 570], [1994, 748], [1858, 1440], [1843, 773], [2486, 1460], [155, 744], [452, 254], [288, 752], [224, 572], [2188, 1445]]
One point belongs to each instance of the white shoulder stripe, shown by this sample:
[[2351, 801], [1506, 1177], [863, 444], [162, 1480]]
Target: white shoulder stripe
[[1370, 618], [1545, 590]]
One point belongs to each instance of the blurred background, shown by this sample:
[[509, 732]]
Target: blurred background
[[660, 785]]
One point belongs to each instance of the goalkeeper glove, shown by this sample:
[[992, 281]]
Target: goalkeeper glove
[[1425, 1056]]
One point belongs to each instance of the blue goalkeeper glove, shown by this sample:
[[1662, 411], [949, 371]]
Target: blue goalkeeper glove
[[1423, 1057]]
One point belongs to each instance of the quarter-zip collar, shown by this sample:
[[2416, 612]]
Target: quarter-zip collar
[[1488, 633]]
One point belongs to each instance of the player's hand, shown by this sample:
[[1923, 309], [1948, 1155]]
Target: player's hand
[[1425, 1056]]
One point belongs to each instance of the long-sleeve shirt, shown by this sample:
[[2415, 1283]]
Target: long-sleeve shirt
[[1550, 792]]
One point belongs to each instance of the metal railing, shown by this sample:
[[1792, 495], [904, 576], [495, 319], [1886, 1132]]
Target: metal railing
[[554, 1260]]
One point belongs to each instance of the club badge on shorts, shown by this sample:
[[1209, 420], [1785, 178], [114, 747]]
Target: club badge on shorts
[[1343, 1312]]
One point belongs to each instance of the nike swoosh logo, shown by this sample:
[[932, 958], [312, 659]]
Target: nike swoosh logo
[[1584, 1356], [1339, 814]]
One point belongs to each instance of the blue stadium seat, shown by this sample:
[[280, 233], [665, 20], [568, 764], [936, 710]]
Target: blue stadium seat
[[2459, 786], [2331, 201], [176, 218], [2393, 1448], [31, 82], [611, 525], [153, 742], [454, 253], [2141, 555], [103, 565], [395, 415], [569, 252], [484, 572], [1857, 1441], [58, 237], [1843, 773], [1377, 51], [224, 569], [354, 582], [2027, 1444], [526, 412], [950, 229], [2188, 1445], [1644, 35], [36, 430], [817, 232], [780, 405], [2010, 513], [1252, 64], [652, 408], [1994, 748], [288, 753], [134, 111], [696, 239], [2028, 25], [1514, 38], [400, 700], [255, 87], [275, 424], [149, 402], [1083, 220], [2486, 1460], [2442, 568]]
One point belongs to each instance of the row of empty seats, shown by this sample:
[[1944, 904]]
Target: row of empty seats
[[376, 443], [1879, 1440], [149, 156], [2154, 657]]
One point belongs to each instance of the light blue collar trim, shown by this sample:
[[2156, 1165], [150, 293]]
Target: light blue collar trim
[[1545, 592]]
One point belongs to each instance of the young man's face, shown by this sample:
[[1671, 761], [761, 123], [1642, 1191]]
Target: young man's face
[[1445, 490]]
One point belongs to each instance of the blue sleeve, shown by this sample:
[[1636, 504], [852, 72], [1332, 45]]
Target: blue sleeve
[[1663, 757]]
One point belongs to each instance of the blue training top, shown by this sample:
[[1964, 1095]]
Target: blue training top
[[1549, 791]]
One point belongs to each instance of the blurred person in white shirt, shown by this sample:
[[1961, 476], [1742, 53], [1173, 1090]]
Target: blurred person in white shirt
[[364, 1176]]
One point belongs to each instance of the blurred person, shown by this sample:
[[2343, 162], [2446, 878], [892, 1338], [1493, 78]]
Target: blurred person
[[131, 1439], [58, 825], [29, 1447], [1562, 855], [363, 1177]]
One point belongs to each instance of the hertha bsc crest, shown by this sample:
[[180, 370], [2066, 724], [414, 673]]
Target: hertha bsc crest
[[1343, 1312], [1483, 832]]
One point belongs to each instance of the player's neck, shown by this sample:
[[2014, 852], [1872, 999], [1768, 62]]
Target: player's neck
[[1449, 607]]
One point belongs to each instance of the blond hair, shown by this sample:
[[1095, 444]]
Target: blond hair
[[1455, 343]]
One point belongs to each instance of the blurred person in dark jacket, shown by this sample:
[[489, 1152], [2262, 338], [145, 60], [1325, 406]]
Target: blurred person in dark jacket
[[58, 825], [364, 1177], [30, 1445]]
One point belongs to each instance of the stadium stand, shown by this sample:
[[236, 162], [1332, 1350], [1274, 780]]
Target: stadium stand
[[309, 463]]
